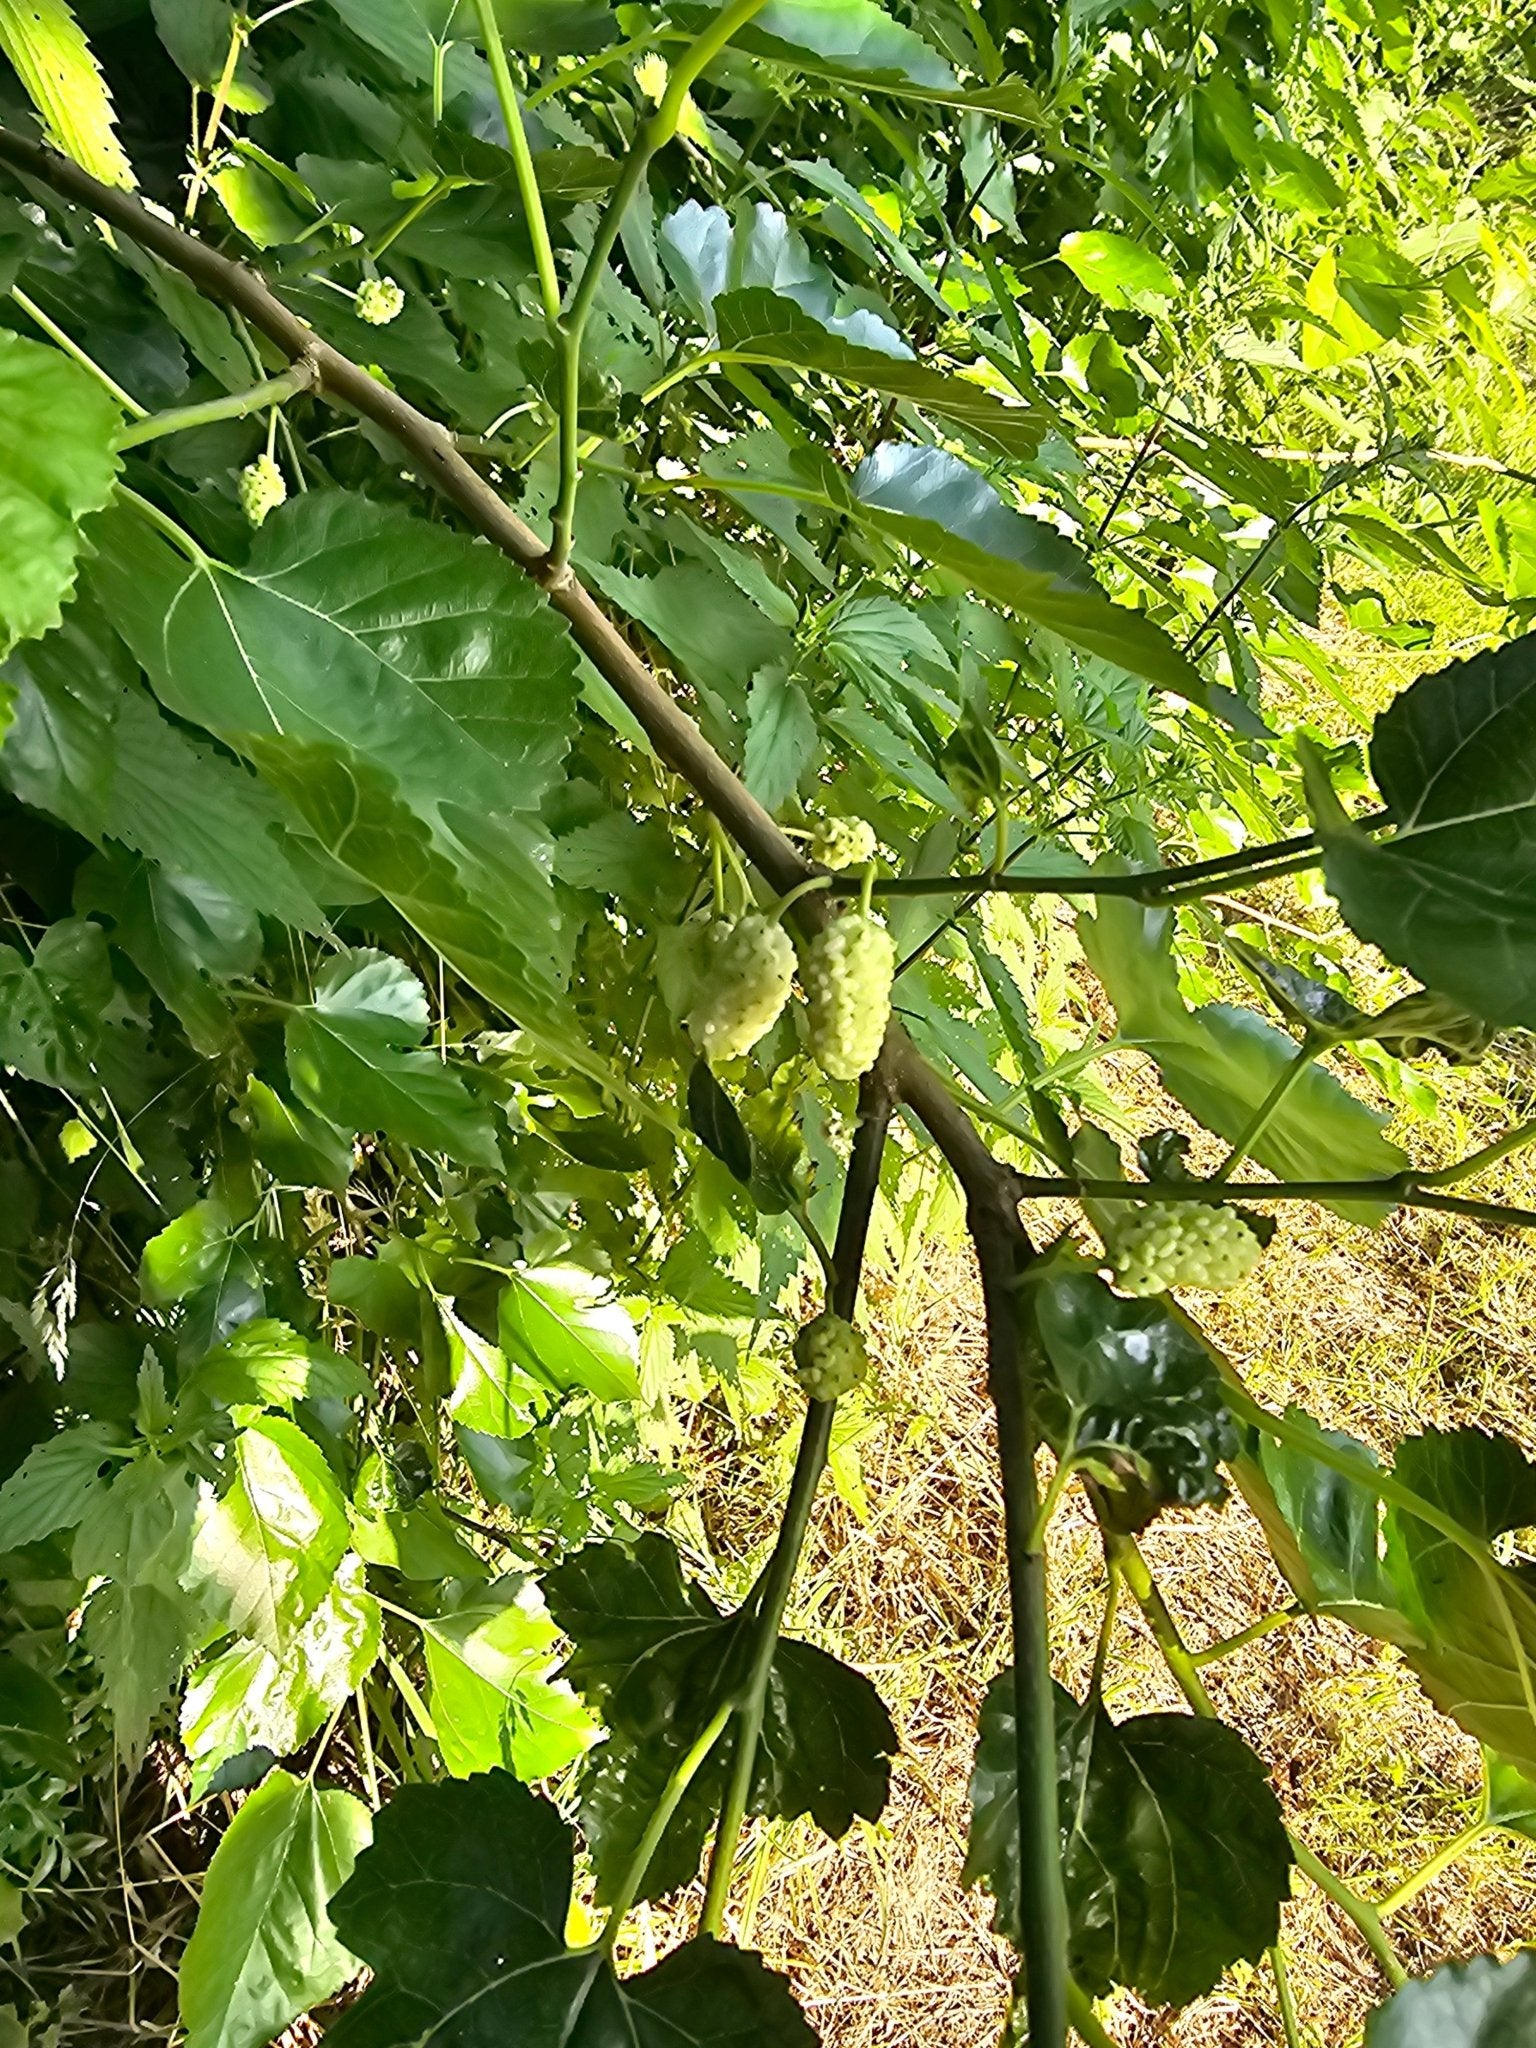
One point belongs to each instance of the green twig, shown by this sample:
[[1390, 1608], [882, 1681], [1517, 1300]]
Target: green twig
[[1404, 1189], [657, 1825], [1085, 2020], [1003, 1252], [1255, 1632], [651, 136], [522, 161], [1288, 1077], [233, 406], [1432, 1866], [876, 1101], [76, 353], [1283, 1998]]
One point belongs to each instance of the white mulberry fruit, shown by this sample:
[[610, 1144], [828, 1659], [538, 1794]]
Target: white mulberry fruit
[[262, 489], [1181, 1244], [849, 966], [840, 843], [379, 300], [745, 984], [830, 1358]]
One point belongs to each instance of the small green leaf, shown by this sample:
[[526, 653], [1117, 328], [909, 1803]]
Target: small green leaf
[[656, 1658], [1175, 1856], [1221, 1062], [52, 1008], [1119, 271], [716, 1122], [198, 1249], [353, 1059], [247, 1699], [1510, 1797], [760, 326], [781, 736], [1336, 1522], [34, 1721], [269, 1363], [460, 1908], [1481, 2004], [559, 1324], [1475, 1620], [264, 1949]]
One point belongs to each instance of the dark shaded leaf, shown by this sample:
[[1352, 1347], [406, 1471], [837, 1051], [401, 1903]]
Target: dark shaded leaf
[[460, 1908], [1451, 892], [1481, 2004], [1175, 1856], [716, 1123], [1136, 1396]]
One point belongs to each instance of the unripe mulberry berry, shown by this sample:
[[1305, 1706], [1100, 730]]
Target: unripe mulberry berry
[[1179, 1244], [830, 1358], [744, 987], [262, 489], [848, 970], [840, 843], [379, 300]]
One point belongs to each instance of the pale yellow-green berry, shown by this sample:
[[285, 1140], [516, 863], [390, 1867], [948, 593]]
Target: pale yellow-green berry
[[379, 300], [746, 971], [262, 489], [830, 1358], [840, 843], [1181, 1244], [848, 970]]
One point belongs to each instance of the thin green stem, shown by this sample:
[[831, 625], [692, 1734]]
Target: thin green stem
[[815, 1442], [72, 349], [1255, 1632], [1127, 1553], [1003, 1252], [1405, 1190], [1279, 856], [1106, 1632], [1061, 1479], [808, 887], [862, 1184], [1283, 1998], [681, 1778], [651, 136], [1487, 1155], [238, 31], [1288, 1077], [164, 524], [1366, 1920], [234, 405], [372, 251], [1431, 1868], [522, 161], [1085, 2020]]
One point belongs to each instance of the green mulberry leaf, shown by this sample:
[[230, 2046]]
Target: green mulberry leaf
[[1174, 1854], [460, 1908]]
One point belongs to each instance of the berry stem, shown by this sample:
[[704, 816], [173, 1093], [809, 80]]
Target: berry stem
[[808, 887]]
